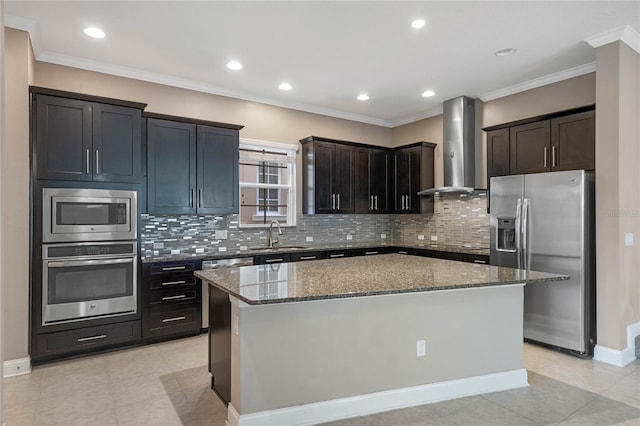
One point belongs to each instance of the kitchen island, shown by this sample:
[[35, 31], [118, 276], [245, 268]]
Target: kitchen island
[[328, 339]]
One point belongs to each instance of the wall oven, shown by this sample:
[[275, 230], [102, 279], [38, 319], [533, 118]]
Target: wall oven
[[75, 214], [84, 281]]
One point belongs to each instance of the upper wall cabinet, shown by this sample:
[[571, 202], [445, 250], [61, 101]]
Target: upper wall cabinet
[[82, 140], [192, 168], [371, 180], [556, 142], [327, 176], [411, 172]]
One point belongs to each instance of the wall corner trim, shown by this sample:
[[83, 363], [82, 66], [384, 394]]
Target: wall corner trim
[[17, 367], [626, 34], [362, 405], [623, 357]]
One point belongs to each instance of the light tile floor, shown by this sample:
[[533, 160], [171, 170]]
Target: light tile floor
[[168, 384]]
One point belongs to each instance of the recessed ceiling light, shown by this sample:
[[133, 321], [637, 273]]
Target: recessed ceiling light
[[418, 23], [284, 86], [428, 93], [363, 97], [234, 65], [505, 52], [94, 32]]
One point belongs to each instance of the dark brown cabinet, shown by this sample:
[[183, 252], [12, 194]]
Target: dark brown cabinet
[[192, 168], [371, 180], [87, 141], [172, 300], [560, 141], [573, 142], [328, 176], [411, 172]]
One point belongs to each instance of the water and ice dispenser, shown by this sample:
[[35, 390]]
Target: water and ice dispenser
[[506, 234]]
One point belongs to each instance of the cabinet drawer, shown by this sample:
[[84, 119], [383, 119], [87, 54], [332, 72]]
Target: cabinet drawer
[[168, 282], [301, 257], [177, 295], [262, 259], [179, 318], [87, 338], [173, 268]]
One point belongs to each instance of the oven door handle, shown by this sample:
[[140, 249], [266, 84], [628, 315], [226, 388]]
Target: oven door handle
[[67, 263]]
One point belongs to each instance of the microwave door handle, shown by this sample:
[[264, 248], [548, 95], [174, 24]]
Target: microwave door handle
[[518, 231], [71, 263]]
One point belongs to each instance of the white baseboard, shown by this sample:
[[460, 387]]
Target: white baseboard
[[362, 405], [17, 367], [619, 358]]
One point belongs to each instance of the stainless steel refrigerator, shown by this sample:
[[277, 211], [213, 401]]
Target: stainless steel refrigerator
[[546, 222]]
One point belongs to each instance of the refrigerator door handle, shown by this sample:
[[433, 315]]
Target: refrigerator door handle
[[525, 242], [518, 231]]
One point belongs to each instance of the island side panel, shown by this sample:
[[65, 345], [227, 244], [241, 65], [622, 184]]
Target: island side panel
[[296, 353]]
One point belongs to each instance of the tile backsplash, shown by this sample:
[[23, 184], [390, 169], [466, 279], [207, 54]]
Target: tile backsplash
[[458, 220]]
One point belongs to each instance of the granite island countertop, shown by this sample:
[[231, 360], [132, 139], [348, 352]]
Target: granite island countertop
[[360, 276]]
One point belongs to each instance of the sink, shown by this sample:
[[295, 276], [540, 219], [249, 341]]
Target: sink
[[278, 248]]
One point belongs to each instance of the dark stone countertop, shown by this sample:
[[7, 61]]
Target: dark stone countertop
[[360, 276], [311, 247]]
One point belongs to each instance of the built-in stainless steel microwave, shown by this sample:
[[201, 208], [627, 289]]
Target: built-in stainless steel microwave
[[74, 214]]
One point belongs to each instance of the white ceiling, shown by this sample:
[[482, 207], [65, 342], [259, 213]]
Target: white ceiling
[[329, 51]]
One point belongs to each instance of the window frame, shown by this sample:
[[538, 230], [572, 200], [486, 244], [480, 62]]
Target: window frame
[[253, 148]]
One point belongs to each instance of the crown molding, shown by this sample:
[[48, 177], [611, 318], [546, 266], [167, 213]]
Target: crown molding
[[539, 82], [431, 112], [625, 34]]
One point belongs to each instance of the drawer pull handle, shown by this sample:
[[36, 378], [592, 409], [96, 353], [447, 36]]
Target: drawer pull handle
[[182, 296], [174, 282], [88, 339], [337, 255], [479, 261], [174, 319], [174, 268], [402, 252], [371, 252], [308, 258], [274, 260]]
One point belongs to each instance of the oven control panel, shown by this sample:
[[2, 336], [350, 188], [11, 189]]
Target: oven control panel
[[78, 250]]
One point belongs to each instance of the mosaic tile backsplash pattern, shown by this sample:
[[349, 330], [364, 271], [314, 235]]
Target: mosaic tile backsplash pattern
[[458, 220]]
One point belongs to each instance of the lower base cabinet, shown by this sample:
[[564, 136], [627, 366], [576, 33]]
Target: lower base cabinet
[[220, 343], [179, 318], [74, 342]]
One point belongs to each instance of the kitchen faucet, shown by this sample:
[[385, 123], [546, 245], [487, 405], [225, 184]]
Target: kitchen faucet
[[270, 239]]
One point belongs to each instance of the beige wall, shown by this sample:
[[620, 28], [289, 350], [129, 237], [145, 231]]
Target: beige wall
[[15, 195], [617, 197]]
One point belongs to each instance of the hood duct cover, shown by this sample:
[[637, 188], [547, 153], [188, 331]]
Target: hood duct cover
[[459, 148]]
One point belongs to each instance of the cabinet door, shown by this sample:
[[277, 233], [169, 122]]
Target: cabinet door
[[413, 198], [401, 178], [117, 147], [343, 178], [324, 158], [171, 166], [379, 179], [217, 170], [63, 138], [363, 190], [497, 153], [573, 142], [530, 146]]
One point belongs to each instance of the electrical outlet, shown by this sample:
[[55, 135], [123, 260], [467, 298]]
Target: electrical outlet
[[421, 348], [383, 236], [421, 237], [628, 239], [222, 249], [221, 234], [199, 250], [349, 237], [434, 238], [309, 239], [158, 245]]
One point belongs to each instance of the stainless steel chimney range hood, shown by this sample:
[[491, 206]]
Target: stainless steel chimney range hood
[[459, 153]]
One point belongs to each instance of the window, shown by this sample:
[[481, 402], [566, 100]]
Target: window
[[267, 183]]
